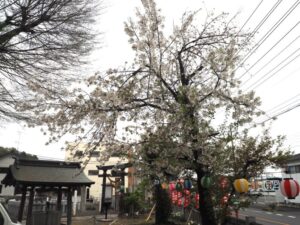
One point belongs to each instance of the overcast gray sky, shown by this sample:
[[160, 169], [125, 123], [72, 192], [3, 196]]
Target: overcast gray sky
[[274, 65]]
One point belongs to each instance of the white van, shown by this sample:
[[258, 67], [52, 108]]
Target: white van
[[5, 218]]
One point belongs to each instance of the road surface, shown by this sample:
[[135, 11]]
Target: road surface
[[284, 216]]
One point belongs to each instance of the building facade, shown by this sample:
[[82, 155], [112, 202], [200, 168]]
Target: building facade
[[90, 161]]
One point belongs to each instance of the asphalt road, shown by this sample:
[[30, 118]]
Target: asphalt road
[[282, 216]]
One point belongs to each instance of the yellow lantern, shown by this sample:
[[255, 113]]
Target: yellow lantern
[[241, 185]]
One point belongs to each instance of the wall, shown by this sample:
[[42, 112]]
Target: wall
[[95, 190], [6, 161]]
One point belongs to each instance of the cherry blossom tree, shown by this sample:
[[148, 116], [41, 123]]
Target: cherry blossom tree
[[169, 102]]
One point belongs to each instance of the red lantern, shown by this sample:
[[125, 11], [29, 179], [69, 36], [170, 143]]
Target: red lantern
[[224, 199], [224, 182], [174, 197], [187, 201], [179, 203], [197, 198], [186, 192], [289, 188], [179, 194]]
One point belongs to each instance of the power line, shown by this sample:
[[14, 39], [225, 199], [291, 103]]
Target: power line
[[260, 25], [271, 60], [262, 80], [285, 107], [283, 103], [270, 49], [269, 32], [281, 113], [251, 15]]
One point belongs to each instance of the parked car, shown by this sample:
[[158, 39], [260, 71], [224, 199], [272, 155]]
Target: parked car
[[5, 218], [255, 192]]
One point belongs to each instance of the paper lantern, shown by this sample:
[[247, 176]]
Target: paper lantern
[[205, 182], [179, 202], [187, 201], [241, 185], [164, 186], [186, 192], [197, 198], [289, 188], [187, 184], [178, 186], [179, 194], [172, 186], [174, 197], [224, 182], [224, 199]]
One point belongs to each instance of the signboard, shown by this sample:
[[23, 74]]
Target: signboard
[[271, 185]]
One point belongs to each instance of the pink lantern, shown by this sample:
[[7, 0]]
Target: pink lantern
[[289, 188], [172, 186]]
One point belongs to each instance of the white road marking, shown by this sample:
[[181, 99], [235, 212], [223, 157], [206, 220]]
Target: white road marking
[[293, 217], [279, 214]]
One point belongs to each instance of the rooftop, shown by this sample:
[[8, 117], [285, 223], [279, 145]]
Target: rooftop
[[46, 173]]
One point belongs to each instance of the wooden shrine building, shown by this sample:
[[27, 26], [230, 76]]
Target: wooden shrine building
[[57, 176]]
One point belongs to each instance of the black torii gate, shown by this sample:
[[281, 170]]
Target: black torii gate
[[119, 173]]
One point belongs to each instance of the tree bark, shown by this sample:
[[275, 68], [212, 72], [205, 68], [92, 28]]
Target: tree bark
[[206, 208]]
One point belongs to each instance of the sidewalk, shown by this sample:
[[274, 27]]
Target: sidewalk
[[90, 217], [279, 207]]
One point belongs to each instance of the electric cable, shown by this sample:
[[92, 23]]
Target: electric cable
[[271, 60], [285, 107], [261, 23], [275, 108], [256, 8], [262, 80], [268, 34], [290, 30], [281, 113]]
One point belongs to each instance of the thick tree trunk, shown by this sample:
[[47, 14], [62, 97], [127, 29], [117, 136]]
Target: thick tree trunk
[[207, 214]]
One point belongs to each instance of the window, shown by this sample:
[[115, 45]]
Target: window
[[78, 154], [94, 154], [93, 172], [293, 169]]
